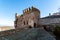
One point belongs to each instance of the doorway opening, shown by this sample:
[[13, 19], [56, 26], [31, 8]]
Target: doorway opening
[[30, 26], [34, 25]]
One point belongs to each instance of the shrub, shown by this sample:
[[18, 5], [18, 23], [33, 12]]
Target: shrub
[[57, 31]]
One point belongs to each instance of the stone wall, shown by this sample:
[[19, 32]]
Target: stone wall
[[29, 17], [48, 21]]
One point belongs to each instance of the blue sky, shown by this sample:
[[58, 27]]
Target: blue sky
[[8, 8]]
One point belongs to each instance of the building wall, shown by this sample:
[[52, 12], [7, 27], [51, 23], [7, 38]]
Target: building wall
[[30, 17], [48, 21]]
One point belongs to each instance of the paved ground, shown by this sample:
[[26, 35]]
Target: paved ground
[[29, 34]]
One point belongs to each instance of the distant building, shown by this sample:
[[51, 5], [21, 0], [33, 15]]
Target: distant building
[[29, 18], [51, 19]]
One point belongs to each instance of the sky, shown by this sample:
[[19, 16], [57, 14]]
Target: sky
[[8, 8]]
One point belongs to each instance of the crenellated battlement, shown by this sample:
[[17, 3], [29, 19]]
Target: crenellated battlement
[[29, 10], [26, 10]]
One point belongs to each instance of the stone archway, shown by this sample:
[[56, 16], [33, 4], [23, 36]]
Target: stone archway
[[30, 27]]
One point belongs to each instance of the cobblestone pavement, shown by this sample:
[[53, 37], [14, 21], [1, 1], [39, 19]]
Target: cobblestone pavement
[[29, 34]]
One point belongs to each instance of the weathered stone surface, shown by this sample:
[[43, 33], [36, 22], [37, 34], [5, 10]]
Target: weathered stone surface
[[29, 17], [28, 34]]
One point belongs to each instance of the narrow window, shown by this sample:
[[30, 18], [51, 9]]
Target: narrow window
[[24, 22], [27, 22]]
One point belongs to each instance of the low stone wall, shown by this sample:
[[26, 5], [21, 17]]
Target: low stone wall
[[9, 32]]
